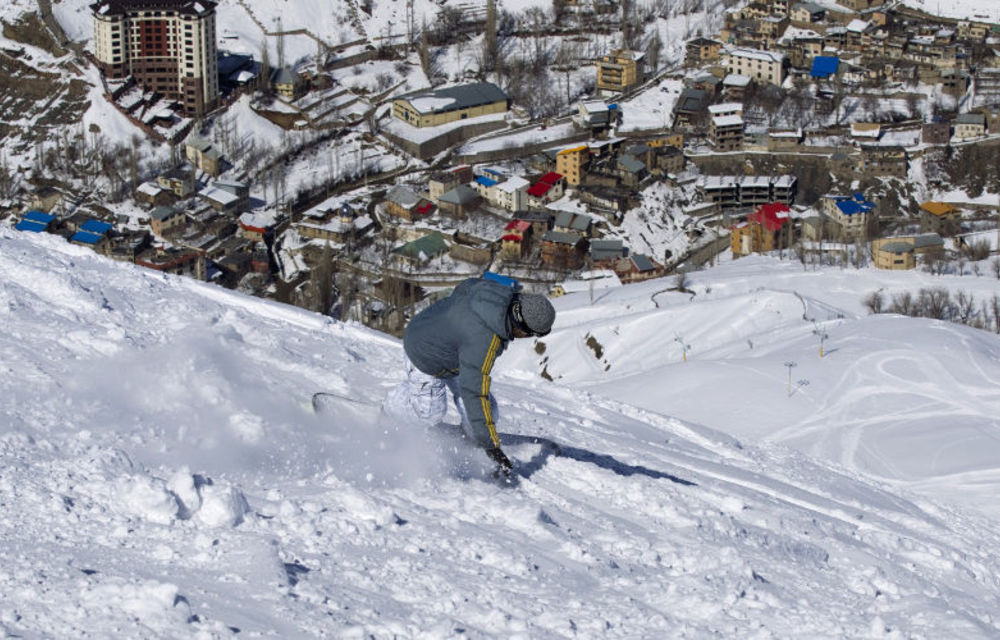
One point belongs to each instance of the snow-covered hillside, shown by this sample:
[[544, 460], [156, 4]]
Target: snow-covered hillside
[[913, 402], [161, 476]]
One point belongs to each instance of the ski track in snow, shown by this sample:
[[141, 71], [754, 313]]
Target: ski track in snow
[[162, 476]]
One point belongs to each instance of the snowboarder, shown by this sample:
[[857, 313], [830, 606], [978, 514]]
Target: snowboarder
[[453, 344]]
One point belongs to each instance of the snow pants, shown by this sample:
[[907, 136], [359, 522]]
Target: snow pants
[[422, 399]]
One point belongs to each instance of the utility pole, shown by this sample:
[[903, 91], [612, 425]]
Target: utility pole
[[791, 365], [820, 333]]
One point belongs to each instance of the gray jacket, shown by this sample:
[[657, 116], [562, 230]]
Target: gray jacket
[[462, 335]]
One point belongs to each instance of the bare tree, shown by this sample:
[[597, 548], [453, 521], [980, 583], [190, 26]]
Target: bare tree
[[902, 303], [874, 302], [965, 307], [935, 303]]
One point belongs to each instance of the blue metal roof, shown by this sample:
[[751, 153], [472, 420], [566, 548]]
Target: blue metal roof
[[824, 66], [486, 182], [30, 225], [86, 237], [39, 216], [95, 226], [849, 207]]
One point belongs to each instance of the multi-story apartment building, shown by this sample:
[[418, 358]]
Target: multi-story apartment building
[[726, 132], [620, 70], [572, 163], [763, 66], [168, 46]]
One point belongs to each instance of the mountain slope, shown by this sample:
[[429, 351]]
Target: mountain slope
[[160, 476]]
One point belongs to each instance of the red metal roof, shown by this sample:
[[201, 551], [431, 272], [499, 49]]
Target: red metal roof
[[512, 237], [517, 225], [539, 189], [250, 227], [551, 177], [424, 208], [773, 215]]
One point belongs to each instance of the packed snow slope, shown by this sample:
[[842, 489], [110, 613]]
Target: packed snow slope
[[914, 402], [161, 476]]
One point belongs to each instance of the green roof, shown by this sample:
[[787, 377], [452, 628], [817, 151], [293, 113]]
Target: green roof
[[429, 246]]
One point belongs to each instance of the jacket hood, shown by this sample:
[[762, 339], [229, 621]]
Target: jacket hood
[[490, 301]]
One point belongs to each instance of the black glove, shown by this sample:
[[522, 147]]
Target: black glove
[[504, 464]]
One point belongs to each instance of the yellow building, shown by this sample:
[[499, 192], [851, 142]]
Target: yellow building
[[441, 106], [288, 84], [572, 163], [900, 254], [619, 71]]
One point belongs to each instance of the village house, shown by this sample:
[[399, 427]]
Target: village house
[[807, 14], [593, 116], [629, 170], [179, 181], [201, 153], [35, 221], [459, 201], [288, 84], [182, 262], [969, 126], [255, 227], [901, 253], [701, 50], [636, 268], [571, 222], [606, 253], [735, 86], [403, 202], [511, 194], [343, 228], [882, 161], [46, 199], [166, 221], [93, 234], [561, 250], [784, 139], [515, 243], [766, 229], [430, 108], [422, 250], [691, 106], [619, 71], [850, 213], [940, 217], [447, 180], [471, 249], [152, 194], [549, 188]]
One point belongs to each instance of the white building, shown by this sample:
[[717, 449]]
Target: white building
[[762, 66]]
